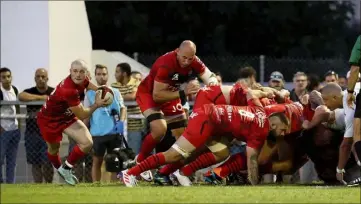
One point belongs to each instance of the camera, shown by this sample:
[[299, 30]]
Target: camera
[[119, 159]]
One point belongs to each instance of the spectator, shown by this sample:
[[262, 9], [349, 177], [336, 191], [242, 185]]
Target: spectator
[[276, 81], [137, 75], [313, 83], [219, 78], [103, 124], [128, 88], [342, 81], [300, 83], [35, 146], [9, 131], [331, 76]]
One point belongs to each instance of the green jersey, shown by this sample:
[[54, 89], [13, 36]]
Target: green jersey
[[355, 58]]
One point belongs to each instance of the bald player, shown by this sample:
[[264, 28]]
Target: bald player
[[161, 98], [334, 98], [35, 146]]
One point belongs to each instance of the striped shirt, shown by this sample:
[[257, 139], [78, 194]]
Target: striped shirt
[[133, 124]]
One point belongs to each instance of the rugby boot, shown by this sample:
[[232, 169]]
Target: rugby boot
[[147, 175], [182, 180], [67, 175], [356, 182], [162, 180], [128, 180]]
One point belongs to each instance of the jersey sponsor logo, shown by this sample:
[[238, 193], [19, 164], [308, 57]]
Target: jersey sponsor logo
[[229, 113], [261, 118], [68, 112]]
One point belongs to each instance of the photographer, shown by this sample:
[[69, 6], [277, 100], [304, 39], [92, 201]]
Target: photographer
[[104, 128]]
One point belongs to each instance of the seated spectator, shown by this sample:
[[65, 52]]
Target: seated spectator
[[137, 75], [276, 81], [35, 146], [331, 76], [104, 127], [300, 86], [314, 83], [342, 81], [128, 86], [9, 130]]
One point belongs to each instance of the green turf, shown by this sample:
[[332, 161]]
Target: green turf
[[86, 193]]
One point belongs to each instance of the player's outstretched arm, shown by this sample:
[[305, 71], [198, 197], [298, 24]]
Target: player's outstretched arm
[[322, 114], [252, 165], [208, 77], [83, 113]]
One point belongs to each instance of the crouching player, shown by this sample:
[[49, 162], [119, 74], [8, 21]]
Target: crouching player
[[62, 113], [246, 123], [160, 98]]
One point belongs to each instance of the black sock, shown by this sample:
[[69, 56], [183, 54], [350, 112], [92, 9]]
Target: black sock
[[358, 149], [66, 166]]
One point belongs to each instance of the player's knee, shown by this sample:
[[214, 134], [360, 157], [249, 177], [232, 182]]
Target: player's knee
[[86, 145], [221, 155], [158, 125], [172, 155], [53, 148]]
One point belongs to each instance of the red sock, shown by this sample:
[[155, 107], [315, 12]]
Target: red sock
[[234, 164], [203, 161], [147, 147], [151, 162], [170, 168], [55, 160], [75, 155]]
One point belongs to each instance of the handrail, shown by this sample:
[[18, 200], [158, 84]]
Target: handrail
[[126, 103]]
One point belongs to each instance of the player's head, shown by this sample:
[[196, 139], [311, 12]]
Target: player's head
[[101, 74], [6, 77], [78, 71], [41, 78], [332, 95], [279, 124], [342, 81], [122, 71], [248, 74], [186, 53]]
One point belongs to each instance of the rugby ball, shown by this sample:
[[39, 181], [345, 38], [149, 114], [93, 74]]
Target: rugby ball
[[106, 93]]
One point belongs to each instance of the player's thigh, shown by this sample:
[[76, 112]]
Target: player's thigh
[[79, 133], [219, 146], [177, 124], [157, 122], [146, 103], [357, 129]]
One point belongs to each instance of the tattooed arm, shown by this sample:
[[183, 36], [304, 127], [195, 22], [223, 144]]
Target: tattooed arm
[[252, 165]]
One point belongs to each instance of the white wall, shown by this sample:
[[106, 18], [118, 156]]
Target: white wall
[[24, 39], [48, 34], [70, 37]]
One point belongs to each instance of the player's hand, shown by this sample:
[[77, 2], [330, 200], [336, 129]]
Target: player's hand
[[304, 99], [99, 101], [339, 177], [284, 93], [305, 124], [350, 100], [192, 88]]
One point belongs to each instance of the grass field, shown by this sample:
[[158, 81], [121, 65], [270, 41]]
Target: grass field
[[89, 193]]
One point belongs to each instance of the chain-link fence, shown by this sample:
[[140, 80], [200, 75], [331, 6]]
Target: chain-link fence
[[229, 65], [31, 163]]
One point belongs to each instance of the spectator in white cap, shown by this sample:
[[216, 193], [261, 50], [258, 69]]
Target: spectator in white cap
[[276, 81]]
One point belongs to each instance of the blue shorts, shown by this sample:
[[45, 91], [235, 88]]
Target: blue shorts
[[35, 147]]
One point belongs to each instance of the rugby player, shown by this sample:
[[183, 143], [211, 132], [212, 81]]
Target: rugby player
[[246, 123], [160, 98], [62, 113]]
